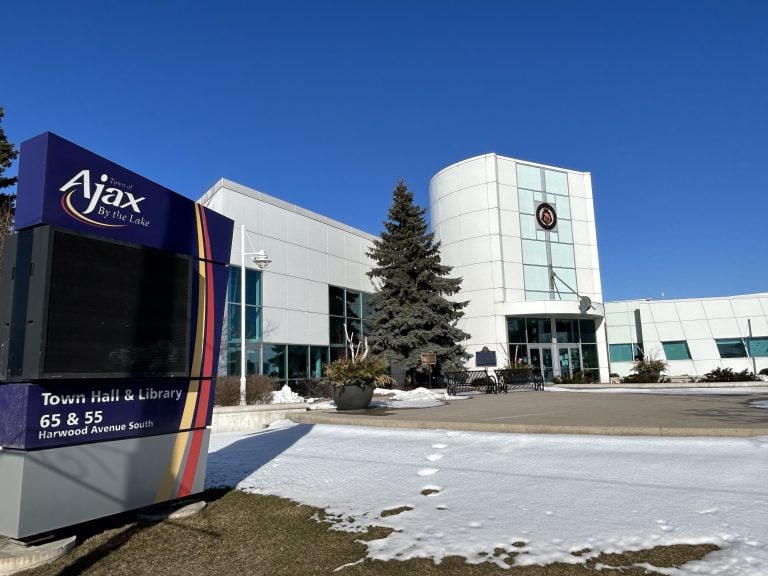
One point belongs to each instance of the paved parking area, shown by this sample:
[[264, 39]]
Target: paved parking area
[[636, 414]]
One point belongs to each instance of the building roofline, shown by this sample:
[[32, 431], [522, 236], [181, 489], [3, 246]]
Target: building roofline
[[223, 183]]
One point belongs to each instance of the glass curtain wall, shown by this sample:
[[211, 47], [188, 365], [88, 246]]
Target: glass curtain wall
[[252, 321], [546, 251], [555, 346]]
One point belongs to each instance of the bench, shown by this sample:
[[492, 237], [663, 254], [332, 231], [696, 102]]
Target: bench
[[517, 379], [469, 381]]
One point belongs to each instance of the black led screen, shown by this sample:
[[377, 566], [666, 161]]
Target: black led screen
[[116, 309]]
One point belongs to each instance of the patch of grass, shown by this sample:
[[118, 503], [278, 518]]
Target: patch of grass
[[242, 534], [395, 511]]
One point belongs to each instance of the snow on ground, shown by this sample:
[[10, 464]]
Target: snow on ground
[[285, 396], [555, 494], [384, 398], [725, 391]]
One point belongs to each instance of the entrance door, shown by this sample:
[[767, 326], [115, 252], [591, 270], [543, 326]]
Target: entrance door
[[541, 359], [569, 359]]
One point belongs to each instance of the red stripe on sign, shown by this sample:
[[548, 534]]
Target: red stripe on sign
[[188, 480], [202, 403]]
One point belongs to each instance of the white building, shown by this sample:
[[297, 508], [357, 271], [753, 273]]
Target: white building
[[694, 335], [523, 238], [315, 285]]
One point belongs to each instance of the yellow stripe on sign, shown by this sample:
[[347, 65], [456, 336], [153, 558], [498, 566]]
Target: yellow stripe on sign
[[189, 405], [177, 456], [197, 359]]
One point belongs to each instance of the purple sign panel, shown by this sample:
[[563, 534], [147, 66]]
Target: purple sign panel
[[79, 412], [64, 185]]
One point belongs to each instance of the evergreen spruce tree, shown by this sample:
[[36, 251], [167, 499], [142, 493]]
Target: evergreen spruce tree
[[412, 313], [7, 201]]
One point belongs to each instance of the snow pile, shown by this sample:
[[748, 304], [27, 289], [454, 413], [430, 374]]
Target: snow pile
[[473, 492], [285, 396]]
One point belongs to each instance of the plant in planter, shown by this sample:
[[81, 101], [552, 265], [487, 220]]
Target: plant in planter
[[354, 378], [647, 370]]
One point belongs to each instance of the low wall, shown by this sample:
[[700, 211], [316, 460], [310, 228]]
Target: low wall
[[251, 418]]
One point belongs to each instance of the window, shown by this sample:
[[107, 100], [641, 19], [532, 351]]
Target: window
[[758, 346], [252, 321], [252, 305], [347, 308], [676, 350], [621, 352], [731, 348]]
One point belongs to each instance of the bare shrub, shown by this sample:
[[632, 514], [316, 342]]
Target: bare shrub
[[258, 390]]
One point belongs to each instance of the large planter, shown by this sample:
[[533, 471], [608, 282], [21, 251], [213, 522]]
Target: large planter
[[355, 396]]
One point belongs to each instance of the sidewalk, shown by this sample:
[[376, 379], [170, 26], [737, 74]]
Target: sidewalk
[[620, 414]]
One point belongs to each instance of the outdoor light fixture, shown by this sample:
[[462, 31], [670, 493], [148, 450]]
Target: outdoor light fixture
[[262, 261]]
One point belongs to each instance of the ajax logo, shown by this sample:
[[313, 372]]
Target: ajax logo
[[109, 204]]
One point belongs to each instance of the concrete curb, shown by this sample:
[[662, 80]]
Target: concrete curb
[[355, 420], [15, 556]]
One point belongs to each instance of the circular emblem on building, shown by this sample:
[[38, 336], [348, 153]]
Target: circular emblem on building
[[546, 216]]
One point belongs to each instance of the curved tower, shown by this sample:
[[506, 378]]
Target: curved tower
[[522, 236]]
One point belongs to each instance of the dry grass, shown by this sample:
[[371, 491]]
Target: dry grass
[[242, 534]]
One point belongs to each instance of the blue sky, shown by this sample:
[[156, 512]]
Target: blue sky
[[328, 104]]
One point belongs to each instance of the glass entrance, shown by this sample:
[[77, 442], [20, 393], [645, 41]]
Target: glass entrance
[[541, 360], [569, 360]]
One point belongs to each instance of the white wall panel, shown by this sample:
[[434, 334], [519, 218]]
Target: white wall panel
[[576, 185], [296, 329], [297, 228], [474, 224], [297, 261], [724, 328], [450, 231], [759, 326], [336, 273], [476, 249], [506, 172], [580, 232], [319, 330], [509, 223], [718, 308], [746, 307], [663, 312], [353, 273], [275, 222], [513, 278], [584, 278], [620, 335], [668, 331], [318, 297], [473, 198], [352, 249], [317, 266], [579, 209], [472, 172], [335, 241], [696, 329], [273, 324], [274, 290], [690, 310], [508, 198], [703, 349], [582, 255], [448, 181], [476, 277], [317, 235], [512, 249], [296, 293], [450, 206], [681, 367]]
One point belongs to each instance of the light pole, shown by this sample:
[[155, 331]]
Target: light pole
[[261, 260]]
